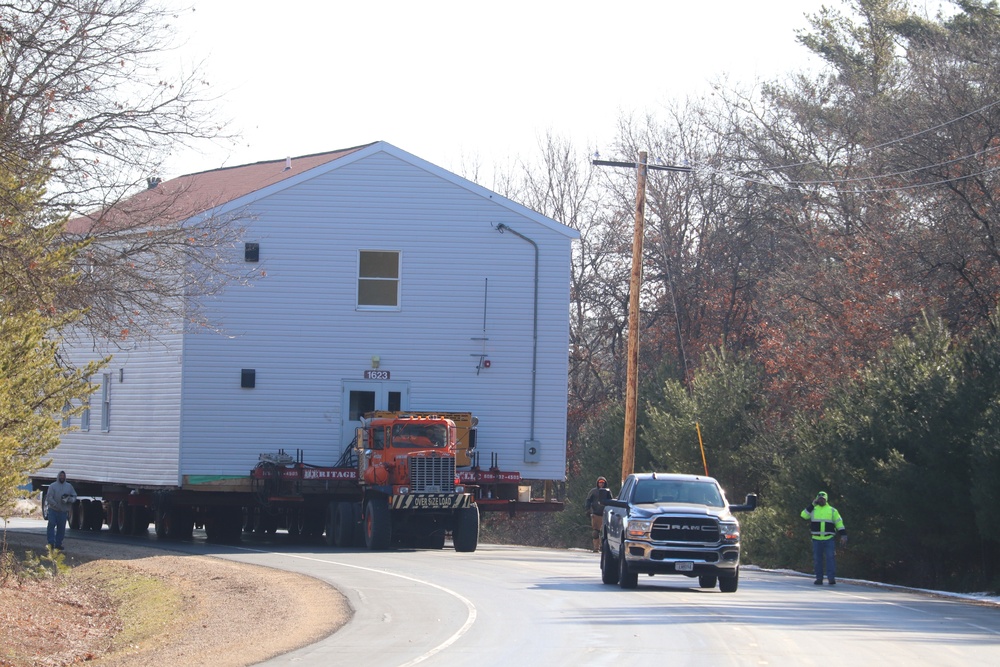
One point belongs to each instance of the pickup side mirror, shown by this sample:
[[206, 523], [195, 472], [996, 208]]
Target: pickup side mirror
[[616, 503], [750, 506]]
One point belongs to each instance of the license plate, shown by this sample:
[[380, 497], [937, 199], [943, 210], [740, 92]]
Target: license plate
[[684, 566]]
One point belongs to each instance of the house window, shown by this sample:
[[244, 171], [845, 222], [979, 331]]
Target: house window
[[85, 415], [67, 407], [106, 402], [251, 252], [378, 279]]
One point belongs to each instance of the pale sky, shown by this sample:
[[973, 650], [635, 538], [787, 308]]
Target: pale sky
[[465, 82]]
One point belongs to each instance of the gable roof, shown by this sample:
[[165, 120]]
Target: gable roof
[[226, 189]]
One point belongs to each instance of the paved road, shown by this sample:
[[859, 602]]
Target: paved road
[[519, 606]]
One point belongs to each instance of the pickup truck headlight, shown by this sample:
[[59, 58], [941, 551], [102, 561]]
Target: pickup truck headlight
[[639, 528], [730, 532]]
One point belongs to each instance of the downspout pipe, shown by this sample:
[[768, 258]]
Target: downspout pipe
[[534, 332]]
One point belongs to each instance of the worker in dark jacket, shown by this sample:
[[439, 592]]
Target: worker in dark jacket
[[595, 508], [825, 524]]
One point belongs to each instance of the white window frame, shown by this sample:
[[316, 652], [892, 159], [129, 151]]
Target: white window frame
[[398, 279], [106, 402], [85, 415]]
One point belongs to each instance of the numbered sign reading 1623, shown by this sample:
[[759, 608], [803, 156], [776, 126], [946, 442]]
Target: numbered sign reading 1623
[[376, 375]]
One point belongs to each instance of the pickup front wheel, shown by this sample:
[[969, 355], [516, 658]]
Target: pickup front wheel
[[609, 565], [730, 584], [626, 578]]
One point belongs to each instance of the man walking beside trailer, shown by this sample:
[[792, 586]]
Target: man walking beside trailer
[[58, 501]]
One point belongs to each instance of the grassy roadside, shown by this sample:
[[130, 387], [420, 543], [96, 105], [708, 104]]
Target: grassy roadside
[[93, 610], [146, 606]]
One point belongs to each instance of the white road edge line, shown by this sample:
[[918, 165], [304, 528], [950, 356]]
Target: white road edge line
[[469, 621]]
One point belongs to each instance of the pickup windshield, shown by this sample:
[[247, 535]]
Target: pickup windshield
[[663, 491]]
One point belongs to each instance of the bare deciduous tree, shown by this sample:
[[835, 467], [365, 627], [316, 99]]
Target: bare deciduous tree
[[84, 99]]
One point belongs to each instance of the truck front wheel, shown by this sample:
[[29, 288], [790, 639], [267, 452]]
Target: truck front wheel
[[609, 565], [465, 534], [378, 531], [626, 577], [730, 584]]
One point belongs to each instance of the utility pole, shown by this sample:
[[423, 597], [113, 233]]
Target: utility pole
[[635, 283]]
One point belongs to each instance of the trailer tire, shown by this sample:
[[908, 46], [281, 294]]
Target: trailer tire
[[330, 523], [224, 525], [465, 534], [378, 530], [346, 526], [140, 520], [123, 517], [113, 517], [173, 523], [93, 515], [76, 515], [313, 523]]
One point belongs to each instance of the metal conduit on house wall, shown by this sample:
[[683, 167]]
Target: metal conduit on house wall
[[534, 331]]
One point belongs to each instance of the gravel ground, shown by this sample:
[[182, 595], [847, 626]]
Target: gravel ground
[[126, 605]]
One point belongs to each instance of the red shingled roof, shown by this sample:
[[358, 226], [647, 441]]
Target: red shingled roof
[[180, 198]]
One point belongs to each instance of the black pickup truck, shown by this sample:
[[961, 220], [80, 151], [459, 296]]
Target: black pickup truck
[[672, 524]]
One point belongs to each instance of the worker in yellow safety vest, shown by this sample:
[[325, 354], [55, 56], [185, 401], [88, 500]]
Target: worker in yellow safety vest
[[825, 524]]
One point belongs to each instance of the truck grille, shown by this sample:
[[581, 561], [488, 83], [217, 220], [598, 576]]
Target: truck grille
[[692, 529], [432, 474]]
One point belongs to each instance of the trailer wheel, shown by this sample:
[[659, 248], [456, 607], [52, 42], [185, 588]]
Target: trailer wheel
[[93, 515], [140, 520], [224, 525], [432, 540], [346, 526], [173, 523], [313, 523], [378, 531], [330, 523], [76, 516], [123, 517], [113, 517], [465, 534]]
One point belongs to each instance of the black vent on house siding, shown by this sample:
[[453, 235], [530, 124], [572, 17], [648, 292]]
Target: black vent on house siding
[[248, 378], [251, 252]]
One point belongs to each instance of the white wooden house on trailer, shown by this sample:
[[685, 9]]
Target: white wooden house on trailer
[[385, 283]]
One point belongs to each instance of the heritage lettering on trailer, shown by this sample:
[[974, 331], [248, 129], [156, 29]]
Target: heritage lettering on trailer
[[318, 473]]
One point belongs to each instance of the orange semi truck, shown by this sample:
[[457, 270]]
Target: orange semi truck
[[408, 478]]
